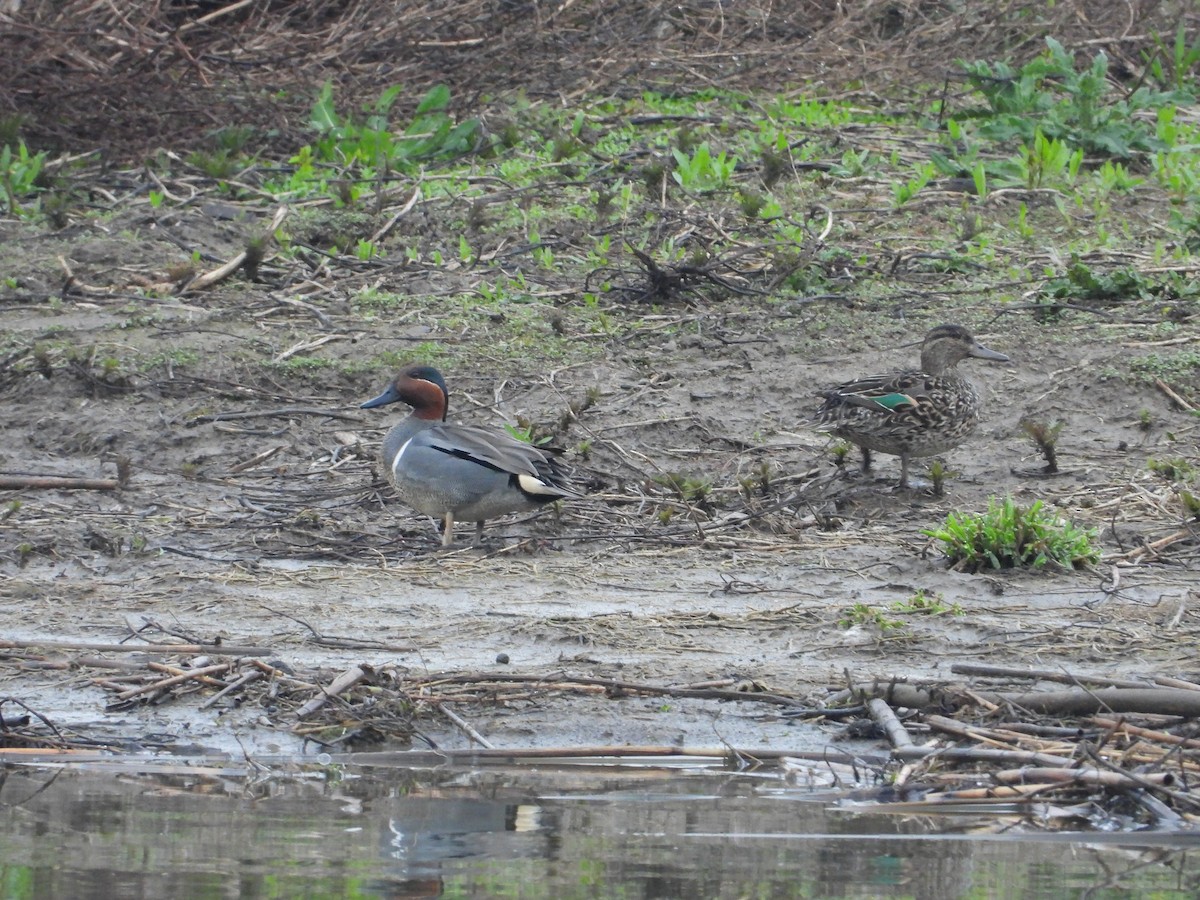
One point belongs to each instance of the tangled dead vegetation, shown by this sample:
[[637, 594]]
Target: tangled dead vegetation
[[130, 78], [1061, 749]]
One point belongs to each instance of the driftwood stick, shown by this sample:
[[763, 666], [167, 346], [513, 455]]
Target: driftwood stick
[[958, 729], [997, 792], [208, 279], [339, 685], [465, 726], [407, 758], [1089, 775], [1157, 808], [57, 482], [1154, 546], [221, 649], [901, 694], [30, 663], [108, 684], [1164, 701], [1175, 398], [565, 682], [1044, 731], [1163, 737], [99, 662], [403, 211], [174, 680], [1159, 781], [1043, 675], [971, 754], [282, 677], [882, 715], [1167, 681], [176, 670], [1161, 701], [286, 411], [246, 678]]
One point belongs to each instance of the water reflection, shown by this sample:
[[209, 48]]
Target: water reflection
[[553, 832]]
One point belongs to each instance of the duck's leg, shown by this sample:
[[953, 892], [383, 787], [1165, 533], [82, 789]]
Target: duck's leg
[[479, 533], [866, 459], [903, 470], [448, 530]]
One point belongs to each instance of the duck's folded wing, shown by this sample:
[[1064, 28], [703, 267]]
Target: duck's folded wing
[[488, 447], [881, 393]]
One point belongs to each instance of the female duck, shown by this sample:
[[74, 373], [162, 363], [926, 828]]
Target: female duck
[[911, 413], [464, 472]]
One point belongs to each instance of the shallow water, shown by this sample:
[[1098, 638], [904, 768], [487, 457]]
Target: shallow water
[[552, 831]]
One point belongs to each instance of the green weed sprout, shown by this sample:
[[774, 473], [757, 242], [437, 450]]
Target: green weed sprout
[[19, 173], [702, 171], [1008, 535]]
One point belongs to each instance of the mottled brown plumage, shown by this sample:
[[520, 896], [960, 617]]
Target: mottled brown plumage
[[910, 413]]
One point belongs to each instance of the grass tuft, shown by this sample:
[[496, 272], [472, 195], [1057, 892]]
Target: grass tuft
[[1008, 535]]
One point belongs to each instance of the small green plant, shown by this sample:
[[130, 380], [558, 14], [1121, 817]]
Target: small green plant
[[864, 614], [905, 191], [1083, 284], [1182, 365], [688, 488], [19, 174], [1114, 177], [1191, 504], [1045, 436], [527, 432], [1074, 106], [840, 452], [431, 134], [980, 180], [921, 603], [701, 171], [751, 204], [1049, 162], [1173, 66], [938, 473], [757, 482], [256, 252], [10, 510], [853, 164], [1171, 469], [1008, 535], [219, 164]]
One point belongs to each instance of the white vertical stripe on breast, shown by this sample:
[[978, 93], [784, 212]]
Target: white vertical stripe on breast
[[399, 454]]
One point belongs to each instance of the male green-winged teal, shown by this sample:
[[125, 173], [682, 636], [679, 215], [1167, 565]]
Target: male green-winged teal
[[464, 472], [910, 413]]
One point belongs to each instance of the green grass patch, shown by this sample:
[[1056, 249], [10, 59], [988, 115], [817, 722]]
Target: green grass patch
[[1009, 536]]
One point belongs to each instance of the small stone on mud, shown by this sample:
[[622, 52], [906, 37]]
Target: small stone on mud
[[502, 659]]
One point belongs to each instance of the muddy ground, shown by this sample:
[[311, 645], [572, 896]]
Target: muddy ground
[[252, 512]]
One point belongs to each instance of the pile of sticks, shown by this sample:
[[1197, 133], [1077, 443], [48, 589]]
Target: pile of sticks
[[1123, 747]]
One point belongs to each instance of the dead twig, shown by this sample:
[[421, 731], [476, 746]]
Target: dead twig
[[464, 726], [883, 716], [223, 649], [174, 680], [339, 685], [57, 482]]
